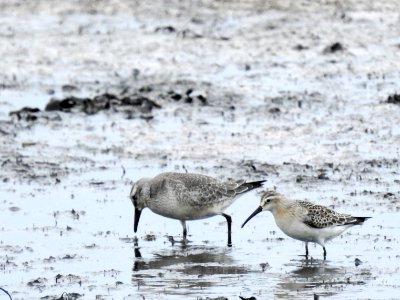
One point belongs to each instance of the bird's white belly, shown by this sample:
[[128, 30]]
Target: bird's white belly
[[300, 231], [297, 230]]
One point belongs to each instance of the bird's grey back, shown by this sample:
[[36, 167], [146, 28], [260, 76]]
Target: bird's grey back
[[196, 189]]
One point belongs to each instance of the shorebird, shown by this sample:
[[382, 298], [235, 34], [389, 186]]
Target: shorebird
[[187, 196], [305, 221]]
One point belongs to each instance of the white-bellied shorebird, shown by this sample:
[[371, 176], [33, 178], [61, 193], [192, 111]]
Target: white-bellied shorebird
[[186, 196], [305, 221]]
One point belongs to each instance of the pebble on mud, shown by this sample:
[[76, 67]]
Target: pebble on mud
[[322, 176], [264, 266], [14, 208], [394, 99], [335, 47], [68, 296], [26, 113], [165, 29], [357, 262], [149, 237], [37, 282], [189, 96]]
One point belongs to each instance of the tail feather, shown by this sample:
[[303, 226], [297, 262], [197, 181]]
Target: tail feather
[[360, 220], [248, 186]]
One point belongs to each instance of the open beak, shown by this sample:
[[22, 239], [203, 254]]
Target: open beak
[[137, 217], [257, 211]]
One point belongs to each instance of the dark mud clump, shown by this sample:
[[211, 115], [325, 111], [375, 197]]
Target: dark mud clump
[[106, 101], [132, 106]]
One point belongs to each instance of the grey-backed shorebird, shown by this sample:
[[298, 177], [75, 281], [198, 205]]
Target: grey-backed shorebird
[[305, 221], [186, 196]]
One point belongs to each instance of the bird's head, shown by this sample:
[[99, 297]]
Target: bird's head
[[269, 200]]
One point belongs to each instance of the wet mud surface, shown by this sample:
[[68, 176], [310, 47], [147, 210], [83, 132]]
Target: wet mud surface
[[94, 96]]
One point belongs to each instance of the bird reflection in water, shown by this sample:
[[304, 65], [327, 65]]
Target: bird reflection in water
[[310, 275], [183, 254], [184, 269], [136, 248]]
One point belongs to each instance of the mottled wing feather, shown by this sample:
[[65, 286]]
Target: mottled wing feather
[[318, 216], [198, 189], [241, 189], [203, 194]]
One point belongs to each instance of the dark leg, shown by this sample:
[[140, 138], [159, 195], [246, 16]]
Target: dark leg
[[184, 229], [138, 212], [306, 250], [324, 253], [136, 249], [137, 253], [229, 222]]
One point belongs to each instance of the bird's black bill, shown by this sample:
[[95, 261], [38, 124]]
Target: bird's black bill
[[257, 211], [137, 217]]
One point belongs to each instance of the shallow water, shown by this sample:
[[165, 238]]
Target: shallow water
[[238, 270], [77, 237]]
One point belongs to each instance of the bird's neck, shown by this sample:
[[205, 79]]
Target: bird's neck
[[282, 209]]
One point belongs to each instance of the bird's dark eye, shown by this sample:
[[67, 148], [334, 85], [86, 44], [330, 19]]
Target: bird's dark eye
[[268, 200]]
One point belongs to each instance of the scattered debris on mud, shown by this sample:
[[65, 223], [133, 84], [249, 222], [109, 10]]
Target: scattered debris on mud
[[138, 104], [297, 95]]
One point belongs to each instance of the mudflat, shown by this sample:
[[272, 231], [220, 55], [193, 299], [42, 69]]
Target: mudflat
[[97, 94]]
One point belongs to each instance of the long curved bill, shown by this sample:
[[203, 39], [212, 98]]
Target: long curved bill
[[256, 212], [137, 217]]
